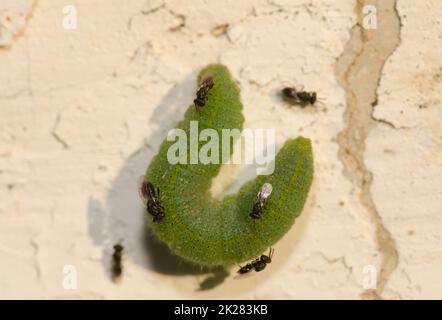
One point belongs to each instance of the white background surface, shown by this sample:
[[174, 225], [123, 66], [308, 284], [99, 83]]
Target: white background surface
[[83, 111]]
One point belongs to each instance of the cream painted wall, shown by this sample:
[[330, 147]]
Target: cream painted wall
[[82, 112]]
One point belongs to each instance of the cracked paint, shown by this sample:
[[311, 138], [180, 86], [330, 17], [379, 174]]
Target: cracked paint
[[409, 175], [373, 48], [56, 135], [14, 16]]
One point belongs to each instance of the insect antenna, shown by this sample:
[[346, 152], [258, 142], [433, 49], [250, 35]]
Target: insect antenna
[[321, 101], [272, 250]]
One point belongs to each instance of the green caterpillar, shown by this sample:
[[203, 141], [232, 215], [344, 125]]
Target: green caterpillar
[[211, 232]]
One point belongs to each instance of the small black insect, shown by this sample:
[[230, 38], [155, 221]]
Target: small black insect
[[247, 268], [261, 199], [117, 265], [302, 98], [203, 90], [150, 197], [258, 264]]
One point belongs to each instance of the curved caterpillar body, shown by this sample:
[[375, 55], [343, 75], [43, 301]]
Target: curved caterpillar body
[[213, 232]]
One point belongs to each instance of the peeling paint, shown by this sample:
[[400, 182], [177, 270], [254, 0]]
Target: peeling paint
[[367, 48], [83, 112], [14, 16]]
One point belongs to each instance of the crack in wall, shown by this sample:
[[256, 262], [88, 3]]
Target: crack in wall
[[56, 136], [181, 21], [367, 48], [341, 260], [36, 248], [180, 18], [17, 30], [145, 12]]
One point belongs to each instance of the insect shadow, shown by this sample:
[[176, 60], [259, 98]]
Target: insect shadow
[[122, 216]]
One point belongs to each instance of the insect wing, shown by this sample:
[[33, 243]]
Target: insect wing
[[141, 193], [266, 190], [145, 190]]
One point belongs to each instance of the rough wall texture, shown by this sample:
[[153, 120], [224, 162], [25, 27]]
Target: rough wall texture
[[82, 112]]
